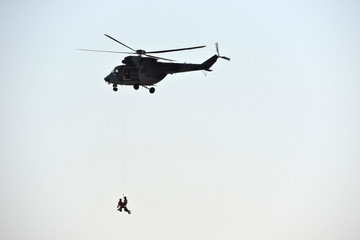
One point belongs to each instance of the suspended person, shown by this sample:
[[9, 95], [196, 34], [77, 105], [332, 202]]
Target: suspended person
[[122, 205]]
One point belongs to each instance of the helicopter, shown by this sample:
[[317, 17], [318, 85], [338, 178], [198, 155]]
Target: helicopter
[[146, 71]]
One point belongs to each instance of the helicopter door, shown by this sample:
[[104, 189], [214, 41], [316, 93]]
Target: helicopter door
[[129, 74]]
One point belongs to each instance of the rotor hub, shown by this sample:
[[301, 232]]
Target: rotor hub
[[140, 51]]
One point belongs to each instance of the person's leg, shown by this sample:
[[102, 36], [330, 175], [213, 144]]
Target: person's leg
[[127, 210]]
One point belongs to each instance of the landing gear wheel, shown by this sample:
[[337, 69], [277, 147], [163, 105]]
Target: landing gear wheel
[[152, 90], [136, 86], [115, 89]]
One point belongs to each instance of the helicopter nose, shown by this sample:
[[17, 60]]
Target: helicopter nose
[[107, 78]]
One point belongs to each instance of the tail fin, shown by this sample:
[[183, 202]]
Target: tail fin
[[208, 63]]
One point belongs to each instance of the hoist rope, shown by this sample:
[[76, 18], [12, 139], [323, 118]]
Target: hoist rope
[[123, 143]]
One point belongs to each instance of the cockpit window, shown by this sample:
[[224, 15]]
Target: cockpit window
[[116, 70]]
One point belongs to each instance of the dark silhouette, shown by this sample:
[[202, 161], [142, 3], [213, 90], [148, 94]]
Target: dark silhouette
[[145, 70], [122, 205]]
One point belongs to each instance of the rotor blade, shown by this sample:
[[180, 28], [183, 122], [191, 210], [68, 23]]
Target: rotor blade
[[119, 42], [217, 48], [90, 50], [174, 50], [226, 58], [170, 60]]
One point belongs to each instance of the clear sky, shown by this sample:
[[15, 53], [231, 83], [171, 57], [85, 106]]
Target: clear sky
[[267, 146]]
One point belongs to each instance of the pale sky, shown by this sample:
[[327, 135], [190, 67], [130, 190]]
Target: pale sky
[[267, 146]]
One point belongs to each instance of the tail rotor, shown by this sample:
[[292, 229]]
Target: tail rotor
[[218, 54]]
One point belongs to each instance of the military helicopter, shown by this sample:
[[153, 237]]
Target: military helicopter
[[146, 71]]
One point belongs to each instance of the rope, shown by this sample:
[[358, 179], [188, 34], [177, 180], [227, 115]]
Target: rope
[[124, 120]]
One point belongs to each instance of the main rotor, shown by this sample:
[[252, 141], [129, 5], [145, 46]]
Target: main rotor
[[141, 52]]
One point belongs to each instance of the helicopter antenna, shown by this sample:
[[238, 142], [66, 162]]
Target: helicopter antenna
[[218, 54]]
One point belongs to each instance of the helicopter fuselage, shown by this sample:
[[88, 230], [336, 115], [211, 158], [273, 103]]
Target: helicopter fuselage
[[143, 71], [147, 71]]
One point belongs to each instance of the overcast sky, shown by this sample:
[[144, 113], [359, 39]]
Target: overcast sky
[[267, 146]]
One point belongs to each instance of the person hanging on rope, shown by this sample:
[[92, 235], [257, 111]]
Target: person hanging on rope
[[122, 205]]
